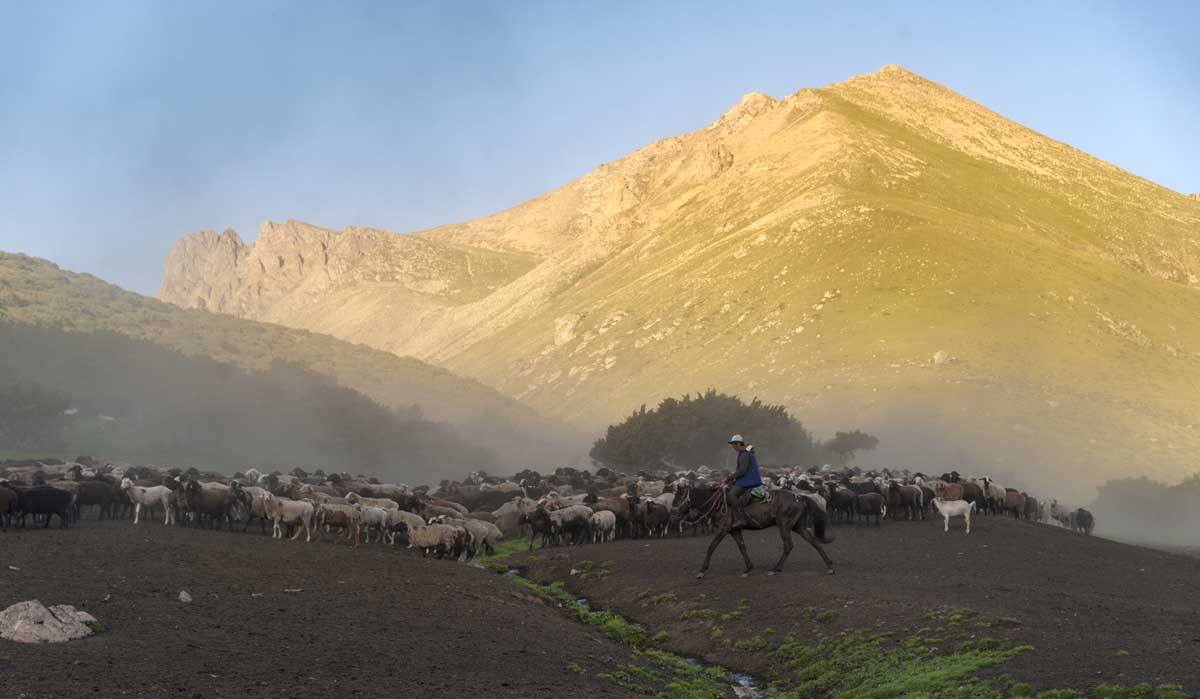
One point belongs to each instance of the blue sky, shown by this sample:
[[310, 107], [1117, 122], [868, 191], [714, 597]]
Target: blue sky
[[124, 125]]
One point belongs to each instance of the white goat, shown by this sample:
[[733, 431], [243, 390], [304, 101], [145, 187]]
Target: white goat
[[954, 508], [154, 496]]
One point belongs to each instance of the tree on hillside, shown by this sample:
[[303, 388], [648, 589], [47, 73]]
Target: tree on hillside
[[692, 431], [844, 444]]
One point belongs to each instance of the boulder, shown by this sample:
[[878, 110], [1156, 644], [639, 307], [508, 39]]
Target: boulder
[[32, 622]]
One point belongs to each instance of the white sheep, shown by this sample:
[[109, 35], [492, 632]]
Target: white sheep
[[483, 534], [291, 512], [371, 517], [604, 526], [576, 518], [954, 508], [381, 503], [442, 538], [401, 518], [154, 496]]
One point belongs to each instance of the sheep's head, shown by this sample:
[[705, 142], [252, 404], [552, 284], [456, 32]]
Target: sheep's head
[[126, 484]]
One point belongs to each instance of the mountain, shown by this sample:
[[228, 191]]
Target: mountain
[[881, 253], [36, 293]]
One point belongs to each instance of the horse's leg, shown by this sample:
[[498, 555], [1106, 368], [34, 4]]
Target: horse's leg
[[712, 546], [785, 532], [815, 544], [741, 544]]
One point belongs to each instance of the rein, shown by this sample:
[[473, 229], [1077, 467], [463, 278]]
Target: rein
[[715, 503]]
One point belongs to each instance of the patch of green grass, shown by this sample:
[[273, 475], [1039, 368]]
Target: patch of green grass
[[97, 627], [1021, 689], [661, 637], [584, 565], [754, 644], [1123, 653], [498, 561], [716, 633], [663, 598], [864, 664], [625, 679], [615, 625], [826, 616], [575, 667], [707, 614], [1061, 694]]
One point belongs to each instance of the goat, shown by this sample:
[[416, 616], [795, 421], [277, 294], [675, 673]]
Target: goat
[[152, 496], [954, 508]]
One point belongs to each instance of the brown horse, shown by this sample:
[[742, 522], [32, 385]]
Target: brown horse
[[784, 510]]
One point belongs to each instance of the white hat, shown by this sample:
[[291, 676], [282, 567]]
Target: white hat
[[737, 438]]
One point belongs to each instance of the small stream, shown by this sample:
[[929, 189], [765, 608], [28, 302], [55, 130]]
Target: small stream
[[742, 685]]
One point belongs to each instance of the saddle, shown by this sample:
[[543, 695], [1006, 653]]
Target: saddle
[[759, 494]]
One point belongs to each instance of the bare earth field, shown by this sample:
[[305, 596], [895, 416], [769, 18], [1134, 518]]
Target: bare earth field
[[372, 622], [383, 622], [1095, 611]]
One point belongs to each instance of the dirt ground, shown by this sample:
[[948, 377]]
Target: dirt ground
[[371, 622], [1094, 610]]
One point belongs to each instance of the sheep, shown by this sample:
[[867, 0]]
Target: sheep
[[604, 526], [369, 517], [213, 500], [256, 502], [297, 513], [457, 507], [45, 500], [8, 505], [443, 539], [954, 508], [868, 505], [381, 503], [483, 534], [390, 491], [344, 516], [153, 496], [575, 519], [400, 520]]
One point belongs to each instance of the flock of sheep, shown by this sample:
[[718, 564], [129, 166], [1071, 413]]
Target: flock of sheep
[[460, 519]]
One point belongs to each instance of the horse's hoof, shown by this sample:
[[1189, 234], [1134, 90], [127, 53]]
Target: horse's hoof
[[829, 572], [772, 573], [746, 574], [699, 576]]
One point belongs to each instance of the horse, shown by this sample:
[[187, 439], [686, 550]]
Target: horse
[[785, 510]]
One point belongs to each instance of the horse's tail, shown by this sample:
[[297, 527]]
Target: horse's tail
[[820, 520]]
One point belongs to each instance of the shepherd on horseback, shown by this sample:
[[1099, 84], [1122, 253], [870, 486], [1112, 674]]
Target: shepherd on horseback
[[741, 502], [744, 479]]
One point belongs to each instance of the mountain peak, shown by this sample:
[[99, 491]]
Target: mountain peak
[[749, 106]]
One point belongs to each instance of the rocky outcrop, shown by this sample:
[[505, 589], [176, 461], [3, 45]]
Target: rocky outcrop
[[33, 622], [1194, 195]]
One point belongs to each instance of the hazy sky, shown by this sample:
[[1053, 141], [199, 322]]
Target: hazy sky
[[124, 125]]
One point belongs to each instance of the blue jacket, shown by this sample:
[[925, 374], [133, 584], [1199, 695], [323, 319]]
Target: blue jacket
[[747, 470]]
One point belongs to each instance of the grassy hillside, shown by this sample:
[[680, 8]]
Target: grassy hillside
[[34, 292], [882, 253], [142, 402]]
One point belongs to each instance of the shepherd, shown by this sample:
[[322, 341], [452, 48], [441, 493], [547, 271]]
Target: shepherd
[[733, 514]]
